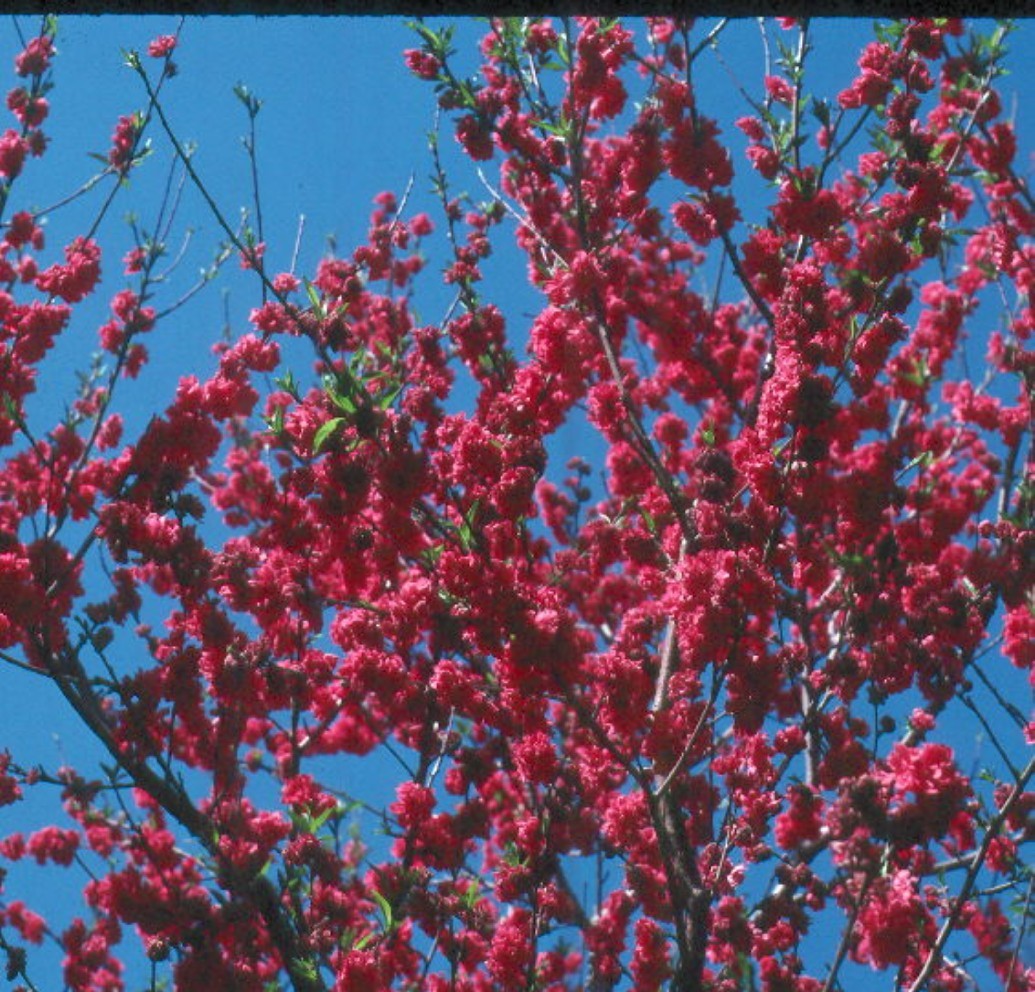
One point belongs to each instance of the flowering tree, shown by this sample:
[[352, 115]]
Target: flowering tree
[[681, 720]]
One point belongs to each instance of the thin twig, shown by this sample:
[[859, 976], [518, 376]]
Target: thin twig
[[977, 861]]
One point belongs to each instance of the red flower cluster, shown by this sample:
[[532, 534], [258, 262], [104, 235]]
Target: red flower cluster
[[12, 154], [124, 143], [78, 277], [35, 59], [686, 673], [162, 46]]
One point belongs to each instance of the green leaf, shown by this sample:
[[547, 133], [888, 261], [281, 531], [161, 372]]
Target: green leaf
[[923, 460], [287, 384], [343, 403], [447, 599], [251, 102], [339, 399], [317, 822], [466, 529], [325, 431], [314, 298], [918, 375], [425, 32], [437, 42], [386, 399], [561, 130], [430, 556], [275, 421], [386, 909], [363, 942], [307, 969], [890, 32], [821, 111], [563, 52], [513, 857]]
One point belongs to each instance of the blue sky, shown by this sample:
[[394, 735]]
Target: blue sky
[[341, 120]]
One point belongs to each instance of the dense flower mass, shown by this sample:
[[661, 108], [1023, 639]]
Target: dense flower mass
[[674, 712]]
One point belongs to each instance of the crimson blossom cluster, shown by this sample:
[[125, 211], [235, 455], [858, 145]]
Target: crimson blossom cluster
[[678, 717]]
